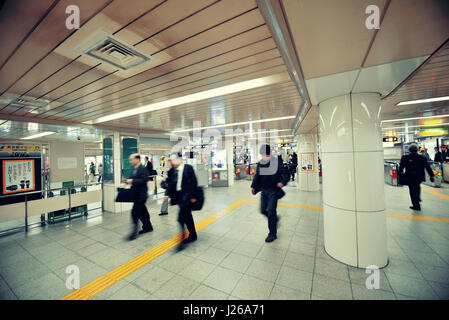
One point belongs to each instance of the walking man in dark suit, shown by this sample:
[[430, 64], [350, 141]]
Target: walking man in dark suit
[[182, 184], [414, 165], [270, 177], [138, 182], [149, 167]]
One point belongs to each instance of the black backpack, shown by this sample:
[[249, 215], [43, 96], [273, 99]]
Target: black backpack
[[410, 172]]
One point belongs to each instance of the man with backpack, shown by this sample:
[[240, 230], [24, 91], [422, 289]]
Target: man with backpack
[[414, 165]]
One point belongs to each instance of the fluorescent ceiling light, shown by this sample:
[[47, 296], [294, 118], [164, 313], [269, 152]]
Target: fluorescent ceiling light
[[252, 132], [38, 135], [417, 126], [417, 118], [235, 124], [404, 103], [212, 93]]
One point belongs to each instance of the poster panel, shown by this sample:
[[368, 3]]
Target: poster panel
[[307, 161], [18, 176]]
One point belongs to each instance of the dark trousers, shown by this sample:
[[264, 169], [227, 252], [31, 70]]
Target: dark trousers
[[415, 193], [268, 206], [185, 217], [140, 212]]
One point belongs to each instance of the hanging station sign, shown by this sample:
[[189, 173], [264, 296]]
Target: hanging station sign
[[12, 150], [433, 132]]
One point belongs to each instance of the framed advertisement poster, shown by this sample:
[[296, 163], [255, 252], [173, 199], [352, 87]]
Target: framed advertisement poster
[[18, 176], [307, 161]]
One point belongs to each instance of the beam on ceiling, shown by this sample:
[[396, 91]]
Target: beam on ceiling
[[273, 13]]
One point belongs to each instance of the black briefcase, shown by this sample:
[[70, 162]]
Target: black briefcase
[[125, 195], [199, 196]]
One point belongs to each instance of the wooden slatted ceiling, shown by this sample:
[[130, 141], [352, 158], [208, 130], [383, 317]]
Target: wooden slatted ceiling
[[266, 102], [431, 80], [194, 46]]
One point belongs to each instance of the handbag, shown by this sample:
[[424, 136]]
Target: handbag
[[164, 185], [125, 195]]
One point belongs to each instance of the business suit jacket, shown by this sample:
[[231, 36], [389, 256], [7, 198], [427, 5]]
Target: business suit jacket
[[281, 175], [414, 165], [188, 186], [139, 183]]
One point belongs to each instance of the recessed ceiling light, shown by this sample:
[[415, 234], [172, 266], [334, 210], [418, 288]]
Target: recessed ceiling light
[[235, 124], [38, 135], [404, 103]]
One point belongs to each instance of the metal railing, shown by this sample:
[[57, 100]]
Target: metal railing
[[45, 193]]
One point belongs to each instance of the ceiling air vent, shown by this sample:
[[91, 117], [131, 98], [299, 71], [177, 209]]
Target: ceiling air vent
[[113, 52], [28, 103]]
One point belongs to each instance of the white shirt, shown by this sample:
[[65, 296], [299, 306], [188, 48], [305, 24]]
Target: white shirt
[[180, 170]]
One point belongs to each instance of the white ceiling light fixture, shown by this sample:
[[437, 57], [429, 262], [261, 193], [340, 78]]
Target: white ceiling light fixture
[[212, 93], [38, 135], [252, 132], [436, 99], [417, 118], [417, 126], [235, 124]]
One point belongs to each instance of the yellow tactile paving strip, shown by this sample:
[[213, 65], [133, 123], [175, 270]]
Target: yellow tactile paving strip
[[95, 287], [436, 193]]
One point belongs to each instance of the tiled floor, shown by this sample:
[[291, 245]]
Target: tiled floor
[[230, 260]]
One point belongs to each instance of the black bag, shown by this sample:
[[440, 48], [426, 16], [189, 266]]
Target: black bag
[[280, 193], [199, 196], [408, 177], [164, 185], [125, 195]]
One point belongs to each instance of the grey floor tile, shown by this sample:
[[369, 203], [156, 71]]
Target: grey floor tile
[[153, 279], [251, 288], [272, 255], [299, 261], [441, 289], [362, 293], [223, 279], [248, 249], [207, 293], [213, 255], [330, 288], [197, 270], [237, 262], [263, 270], [283, 293], [177, 288], [176, 262], [359, 277], [412, 287], [295, 279], [129, 292], [331, 268]]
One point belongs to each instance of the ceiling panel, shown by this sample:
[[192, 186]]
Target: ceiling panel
[[410, 28]]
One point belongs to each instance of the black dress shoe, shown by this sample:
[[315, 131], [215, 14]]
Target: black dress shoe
[[145, 230], [163, 213], [270, 238], [131, 237], [416, 209], [189, 239]]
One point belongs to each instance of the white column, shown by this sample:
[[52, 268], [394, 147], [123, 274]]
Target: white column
[[308, 162], [353, 183]]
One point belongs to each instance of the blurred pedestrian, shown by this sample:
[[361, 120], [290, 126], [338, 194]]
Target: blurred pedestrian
[[138, 182]]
